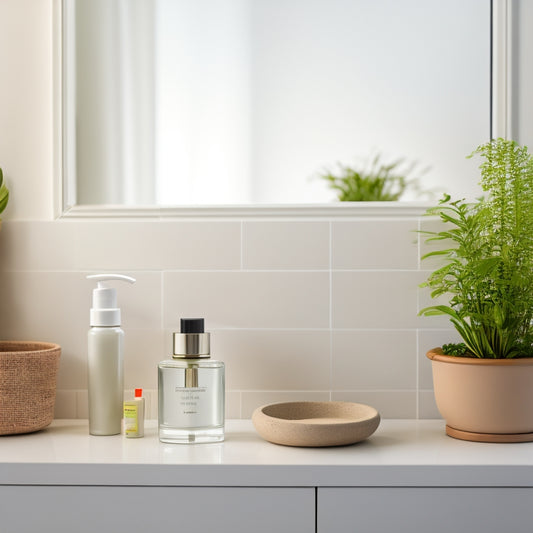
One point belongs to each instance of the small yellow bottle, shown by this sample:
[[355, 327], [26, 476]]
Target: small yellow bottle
[[134, 416]]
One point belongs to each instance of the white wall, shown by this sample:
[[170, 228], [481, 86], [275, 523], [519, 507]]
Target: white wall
[[309, 309]]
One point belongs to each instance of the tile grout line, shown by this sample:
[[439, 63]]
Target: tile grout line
[[330, 310], [76, 406], [209, 270], [419, 245], [303, 391], [162, 287], [242, 245], [417, 376], [417, 350]]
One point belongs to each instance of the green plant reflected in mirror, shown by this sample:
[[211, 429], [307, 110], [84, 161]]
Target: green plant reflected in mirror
[[376, 181]]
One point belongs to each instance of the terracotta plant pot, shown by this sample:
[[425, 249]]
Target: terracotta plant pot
[[484, 400], [28, 373]]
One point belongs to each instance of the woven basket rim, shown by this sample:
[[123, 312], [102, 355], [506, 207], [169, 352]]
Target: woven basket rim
[[21, 347]]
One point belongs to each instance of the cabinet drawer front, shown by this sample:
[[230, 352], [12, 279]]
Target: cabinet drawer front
[[435, 510], [143, 509]]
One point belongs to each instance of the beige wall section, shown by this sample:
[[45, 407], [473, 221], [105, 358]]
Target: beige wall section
[[26, 111]]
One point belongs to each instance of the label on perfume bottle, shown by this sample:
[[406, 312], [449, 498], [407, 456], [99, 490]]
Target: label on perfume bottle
[[192, 400]]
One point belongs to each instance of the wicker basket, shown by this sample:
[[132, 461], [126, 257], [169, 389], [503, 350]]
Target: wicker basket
[[28, 373]]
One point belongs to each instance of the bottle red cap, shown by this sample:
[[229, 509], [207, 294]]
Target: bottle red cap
[[138, 393]]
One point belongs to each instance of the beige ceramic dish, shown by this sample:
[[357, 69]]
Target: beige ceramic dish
[[315, 424]]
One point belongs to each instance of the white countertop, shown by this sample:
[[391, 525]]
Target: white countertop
[[400, 453]]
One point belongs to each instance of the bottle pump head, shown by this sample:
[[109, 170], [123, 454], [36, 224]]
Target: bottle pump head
[[104, 311]]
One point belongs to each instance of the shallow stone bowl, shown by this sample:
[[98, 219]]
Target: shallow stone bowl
[[315, 424]]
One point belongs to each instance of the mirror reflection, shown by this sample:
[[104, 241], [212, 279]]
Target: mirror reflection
[[203, 102]]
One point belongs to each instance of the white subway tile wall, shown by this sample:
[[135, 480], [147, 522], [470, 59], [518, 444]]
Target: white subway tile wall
[[298, 309]]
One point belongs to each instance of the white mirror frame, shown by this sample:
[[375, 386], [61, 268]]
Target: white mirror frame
[[65, 186]]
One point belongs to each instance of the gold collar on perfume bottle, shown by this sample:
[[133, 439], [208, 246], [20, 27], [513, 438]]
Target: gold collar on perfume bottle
[[191, 345]]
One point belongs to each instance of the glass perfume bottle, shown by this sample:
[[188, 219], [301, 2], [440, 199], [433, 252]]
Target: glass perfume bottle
[[191, 389]]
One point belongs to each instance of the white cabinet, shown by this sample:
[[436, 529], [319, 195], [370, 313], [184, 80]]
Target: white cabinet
[[408, 478], [421, 510], [86, 509], [67, 509]]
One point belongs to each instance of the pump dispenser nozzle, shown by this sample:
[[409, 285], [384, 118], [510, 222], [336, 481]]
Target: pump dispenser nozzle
[[104, 311]]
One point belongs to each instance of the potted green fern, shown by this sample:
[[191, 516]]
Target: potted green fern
[[484, 385]]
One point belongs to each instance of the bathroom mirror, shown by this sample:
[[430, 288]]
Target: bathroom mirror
[[245, 102]]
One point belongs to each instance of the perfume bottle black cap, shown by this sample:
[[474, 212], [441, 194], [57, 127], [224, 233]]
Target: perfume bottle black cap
[[192, 325], [191, 341]]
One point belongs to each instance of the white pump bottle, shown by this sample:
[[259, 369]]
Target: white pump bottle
[[106, 358]]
